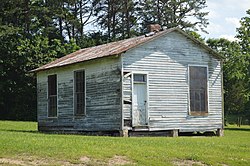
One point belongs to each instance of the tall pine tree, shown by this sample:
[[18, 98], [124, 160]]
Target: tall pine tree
[[185, 14]]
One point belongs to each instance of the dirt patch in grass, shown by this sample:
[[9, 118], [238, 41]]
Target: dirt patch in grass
[[188, 163], [85, 159], [32, 161], [119, 160], [11, 161], [115, 160]]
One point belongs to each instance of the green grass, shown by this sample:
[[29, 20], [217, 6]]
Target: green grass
[[21, 139]]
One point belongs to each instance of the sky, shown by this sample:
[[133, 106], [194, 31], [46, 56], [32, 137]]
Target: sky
[[224, 16]]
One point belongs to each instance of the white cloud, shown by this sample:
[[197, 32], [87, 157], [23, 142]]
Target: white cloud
[[213, 14], [228, 37], [215, 28], [224, 16], [229, 5], [233, 20]]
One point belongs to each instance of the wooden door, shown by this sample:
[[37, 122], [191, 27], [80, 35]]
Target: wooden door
[[139, 115]]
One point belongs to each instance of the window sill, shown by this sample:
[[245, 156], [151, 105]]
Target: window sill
[[80, 116], [198, 114], [52, 117]]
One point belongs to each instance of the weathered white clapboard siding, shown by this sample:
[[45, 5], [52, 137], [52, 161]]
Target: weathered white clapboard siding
[[127, 97], [166, 60], [103, 97]]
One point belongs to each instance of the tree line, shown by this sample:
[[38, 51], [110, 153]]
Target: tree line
[[35, 32], [68, 19], [236, 70]]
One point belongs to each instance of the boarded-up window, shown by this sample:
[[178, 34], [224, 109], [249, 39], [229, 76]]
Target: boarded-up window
[[52, 96], [198, 90], [79, 92]]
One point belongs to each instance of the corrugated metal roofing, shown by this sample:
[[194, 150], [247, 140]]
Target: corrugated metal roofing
[[113, 48]]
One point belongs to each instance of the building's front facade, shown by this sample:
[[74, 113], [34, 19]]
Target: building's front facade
[[166, 82]]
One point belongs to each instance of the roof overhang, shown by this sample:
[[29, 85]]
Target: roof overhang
[[117, 48]]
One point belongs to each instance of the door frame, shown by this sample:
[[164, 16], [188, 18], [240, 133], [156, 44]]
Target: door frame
[[147, 95]]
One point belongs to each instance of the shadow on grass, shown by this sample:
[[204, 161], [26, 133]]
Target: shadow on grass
[[20, 131], [238, 129], [194, 134]]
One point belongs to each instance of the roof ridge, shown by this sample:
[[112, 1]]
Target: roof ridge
[[114, 48]]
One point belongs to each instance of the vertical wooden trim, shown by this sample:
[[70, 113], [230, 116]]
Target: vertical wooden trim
[[57, 96], [85, 93], [147, 106], [132, 98], [37, 98], [188, 77], [208, 96], [222, 95], [122, 93], [47, 96], [73, 94]]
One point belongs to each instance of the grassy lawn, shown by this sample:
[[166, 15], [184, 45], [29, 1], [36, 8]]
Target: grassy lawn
[[21, 144]]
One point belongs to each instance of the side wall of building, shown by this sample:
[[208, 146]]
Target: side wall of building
[[166, 61], [103, 97]]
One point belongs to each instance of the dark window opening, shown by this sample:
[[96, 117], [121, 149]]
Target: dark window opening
[[52, 96], [198, 90], [140, 78], [79, 92]]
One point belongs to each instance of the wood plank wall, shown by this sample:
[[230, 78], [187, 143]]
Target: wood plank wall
[[103, 97], [166, 59]]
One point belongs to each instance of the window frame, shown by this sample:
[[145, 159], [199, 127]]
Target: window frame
[[74, 93], [144, 78], [132, 90], [196, 113], [48, 96]]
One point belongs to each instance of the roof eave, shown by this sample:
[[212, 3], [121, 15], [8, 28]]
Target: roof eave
[[210, 50], [117, 53], [43, 69]]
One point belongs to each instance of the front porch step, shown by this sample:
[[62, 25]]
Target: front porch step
[[147, 133], [140, 128]]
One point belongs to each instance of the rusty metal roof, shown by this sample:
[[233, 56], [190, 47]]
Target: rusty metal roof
[[113, 48]]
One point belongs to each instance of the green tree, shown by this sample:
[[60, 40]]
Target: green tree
[[196, 36], [233, 72], [19, 55], [173, 13], [236, 69], [106, 13], [119, 20], [243, 35], [76, 15]]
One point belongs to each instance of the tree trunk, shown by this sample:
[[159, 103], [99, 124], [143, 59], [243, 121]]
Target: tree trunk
[[158, 12], [127, 19], [113, 20], [109, 20], [81, 17], [123, 20], [61, 22], [27, 17]]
